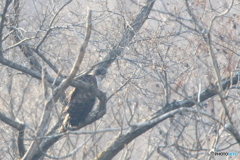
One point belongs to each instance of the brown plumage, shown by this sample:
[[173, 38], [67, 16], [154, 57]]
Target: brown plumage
[[81, 101]]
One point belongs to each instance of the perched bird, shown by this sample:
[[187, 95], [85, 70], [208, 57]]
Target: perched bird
[[81, 102]]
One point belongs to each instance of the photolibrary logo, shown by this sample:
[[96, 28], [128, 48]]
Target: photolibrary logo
[[213, 154]]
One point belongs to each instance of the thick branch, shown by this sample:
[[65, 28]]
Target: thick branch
[[94, 115], [128, 35], [10, 122], [116, 51], [18, 38], [45, 120], [234, 132], [37, 75], [21, 147], [20, 127], [78, 60], [126, 138]]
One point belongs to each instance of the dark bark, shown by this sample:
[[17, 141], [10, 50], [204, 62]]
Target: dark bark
[[18, 126]]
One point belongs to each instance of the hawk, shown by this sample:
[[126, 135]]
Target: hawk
[[81, 102]]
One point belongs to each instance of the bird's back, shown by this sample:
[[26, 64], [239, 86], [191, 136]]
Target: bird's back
[[81, 102]]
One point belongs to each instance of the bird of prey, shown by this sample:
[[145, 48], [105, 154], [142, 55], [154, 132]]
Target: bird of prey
[[81, 102]]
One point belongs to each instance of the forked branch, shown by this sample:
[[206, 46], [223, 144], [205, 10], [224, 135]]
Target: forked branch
[[46, 117]]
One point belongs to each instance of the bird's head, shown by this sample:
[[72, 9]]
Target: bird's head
[[100, 72]]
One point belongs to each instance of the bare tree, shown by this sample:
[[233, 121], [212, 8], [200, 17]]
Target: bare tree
[[171, 91]]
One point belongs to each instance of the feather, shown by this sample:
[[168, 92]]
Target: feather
[[81, 102]]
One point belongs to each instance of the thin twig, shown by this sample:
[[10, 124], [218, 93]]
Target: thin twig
[[8, 2], [45, 120]]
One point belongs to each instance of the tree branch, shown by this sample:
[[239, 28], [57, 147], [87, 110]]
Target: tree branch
[[20, 127], [93, 116], [37, 75], [229, 127], [136, 131], [45, 120], [8, 2], [10, 122], [128, 35]]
